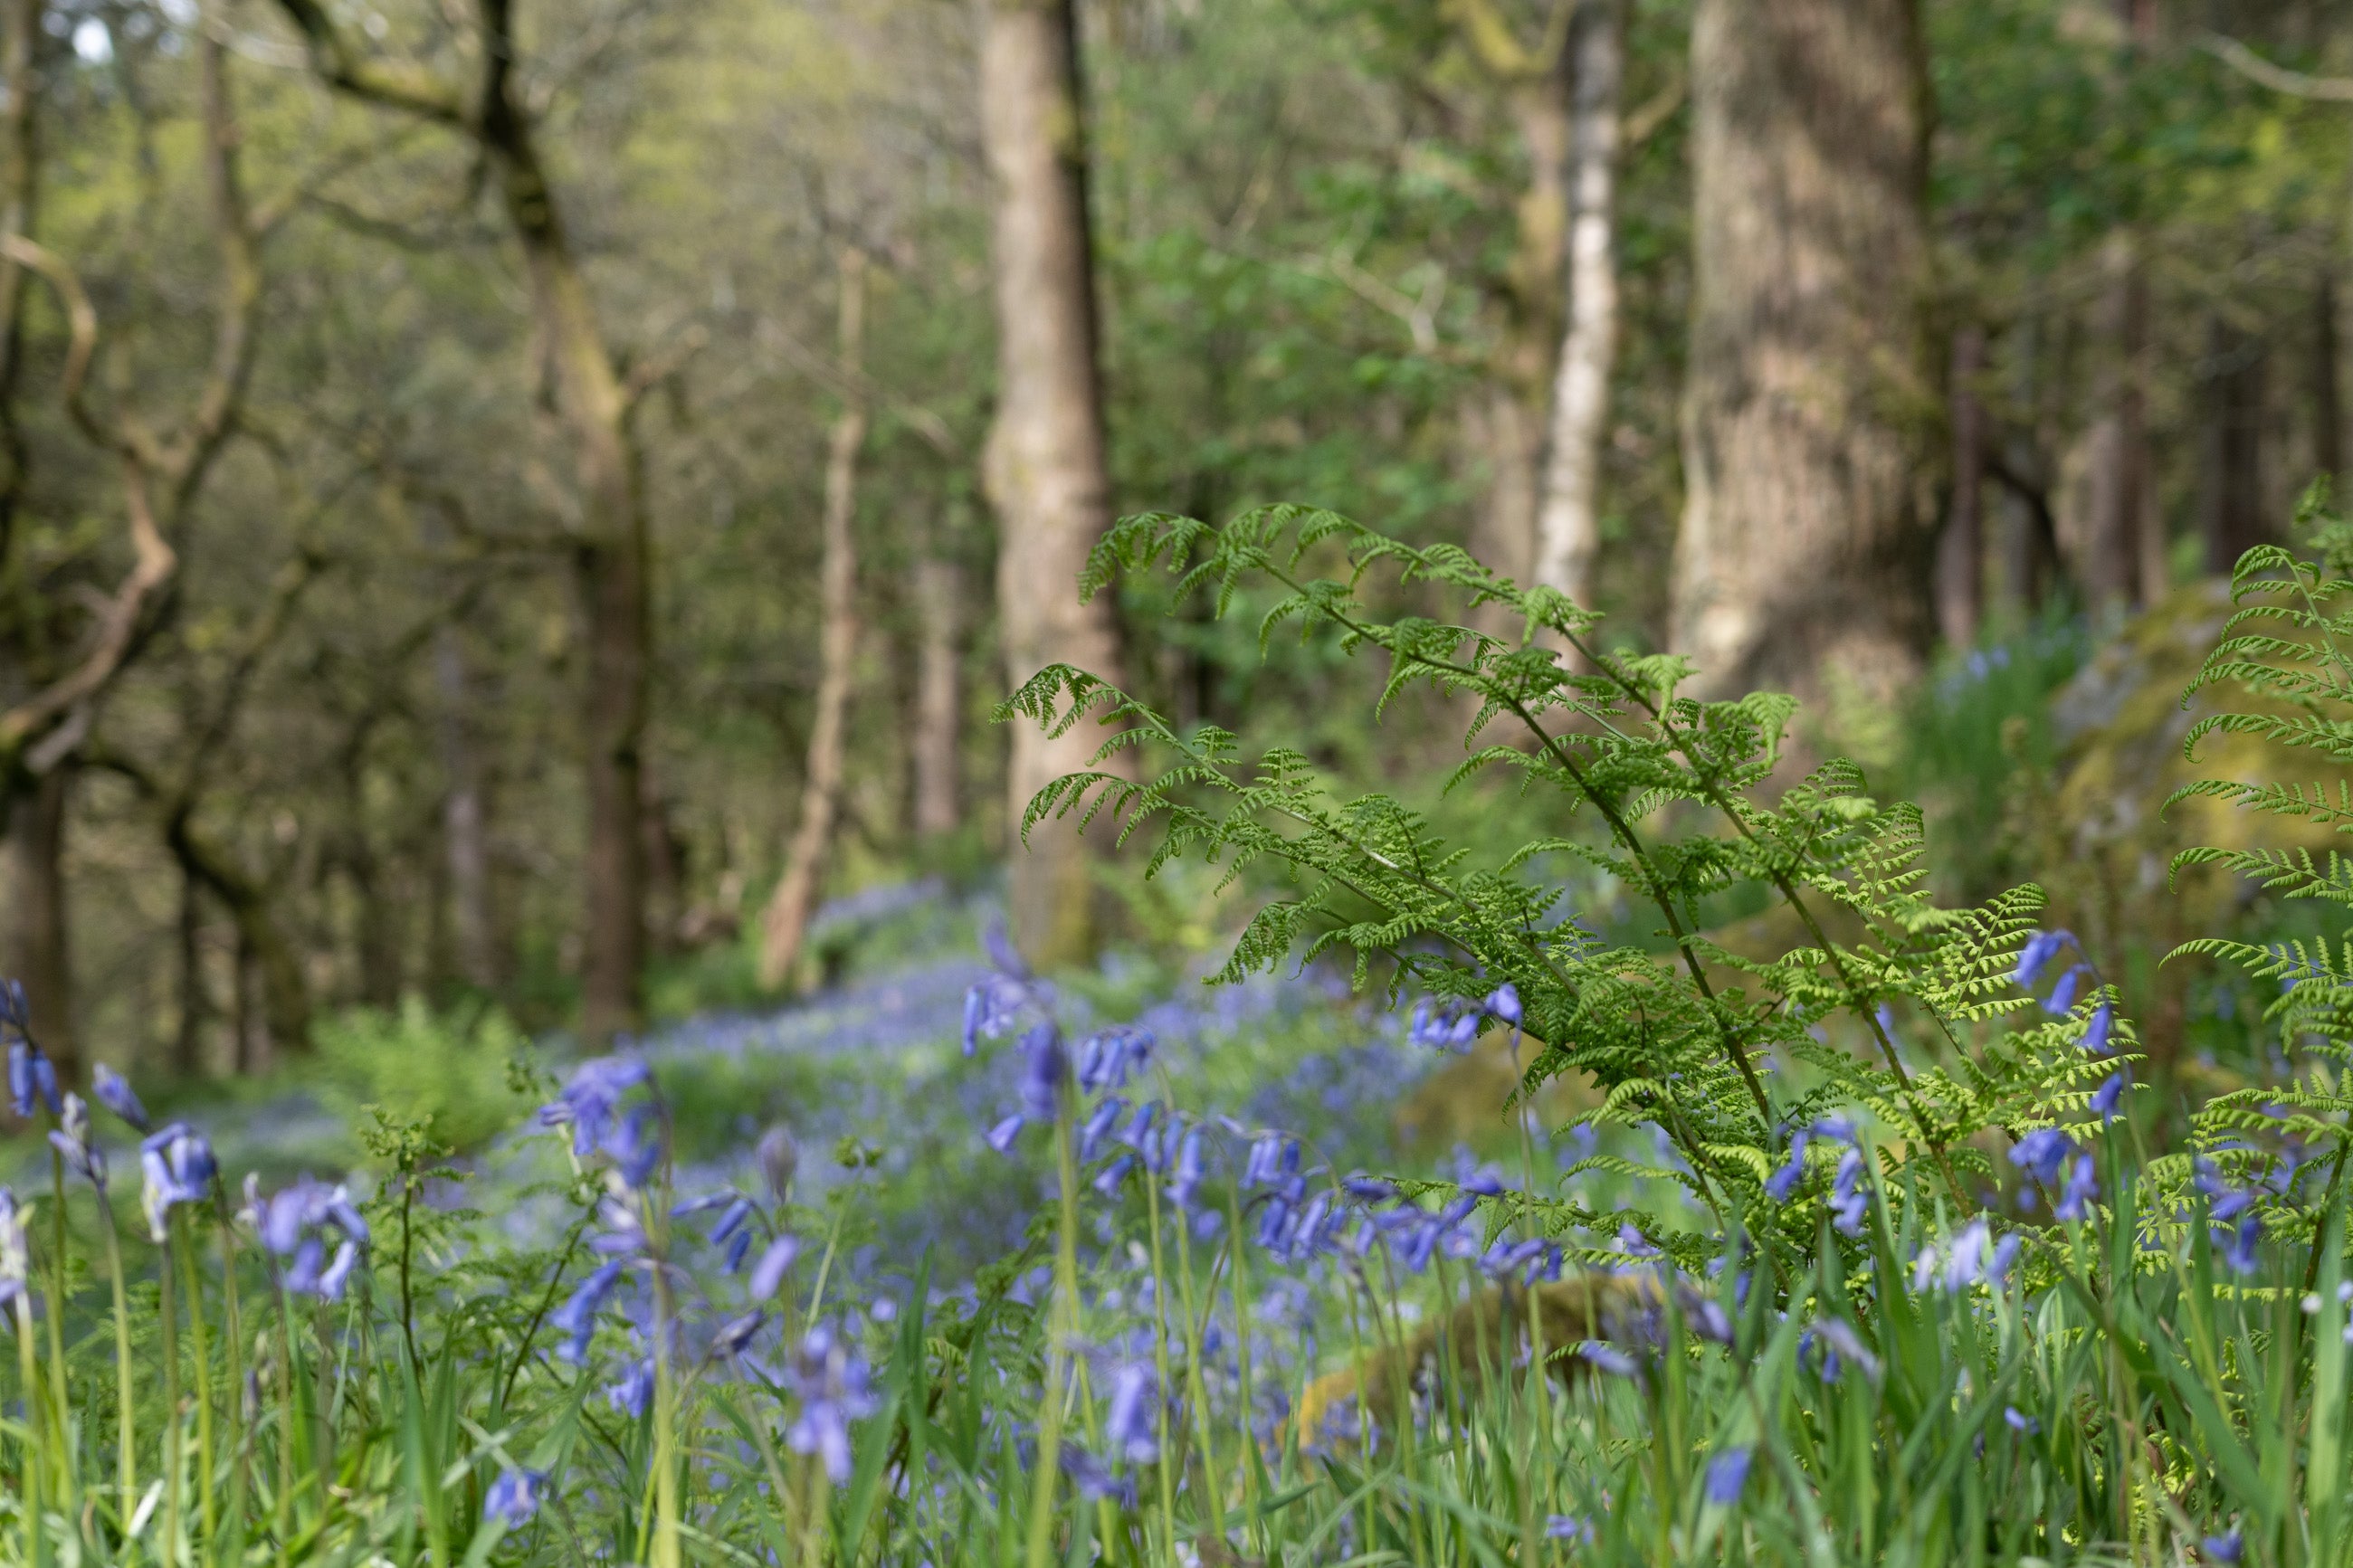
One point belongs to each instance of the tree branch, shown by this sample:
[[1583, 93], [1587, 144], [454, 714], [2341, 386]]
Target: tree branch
[[2279, 78], [407, 88]]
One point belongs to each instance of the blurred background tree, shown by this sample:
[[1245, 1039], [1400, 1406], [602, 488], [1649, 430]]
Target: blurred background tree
[[453, 544]]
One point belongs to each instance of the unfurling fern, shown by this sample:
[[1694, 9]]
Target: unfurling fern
[[1729, 1054], [2288, 644]]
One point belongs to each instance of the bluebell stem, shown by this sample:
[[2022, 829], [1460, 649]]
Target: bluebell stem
[[833, 1386], [776, 1258], [71, 1138], [1727, 1475], [1044, 1066], [1132, 1424], [32, 1077], [514, 1498], [2062, 995], [2042, 1153], [2041, 948], [179, 1168], [2096, 1032], [589, 1099], [114, 1093], [1784, 1181], [634, 1390], [2082, 1186], [576, 1318]]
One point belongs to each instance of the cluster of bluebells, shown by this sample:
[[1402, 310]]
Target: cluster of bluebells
[[2237, 1228], [1850, 1200], [2043, 949], [1453, 1024], [2063, 1171], [1972, 1258], [295, 1226]]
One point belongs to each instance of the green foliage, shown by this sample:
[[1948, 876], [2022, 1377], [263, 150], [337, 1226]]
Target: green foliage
[[446, 1073], [1724, 1051]]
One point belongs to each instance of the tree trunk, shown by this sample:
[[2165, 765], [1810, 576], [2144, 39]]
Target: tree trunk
[[938, 743], [1568, 521], [33, 937], [268, 965], [2231, 487], [187, 1039], [465, 817], [785, 923], [1044, 466], [1803, 558], [1960, 553], [2327, 405]]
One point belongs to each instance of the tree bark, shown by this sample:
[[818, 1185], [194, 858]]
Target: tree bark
[[465, 817], [267, 961], [1568, 521], [187, 1039], [937, 747], [1960, 553], [2327, 402], [785, 923], [2231, 486], [33, 932], [1045, 467], [1803, 558]]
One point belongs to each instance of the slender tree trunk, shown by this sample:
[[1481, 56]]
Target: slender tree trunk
[[20, 36], [188, 1039], [785, 924], [1960, 553], [1568, 521], [2327, 404], [465, 817], [2231, 486], [33, 932], [938, 743], [1803, 558], [1045, 467], [272, 991]]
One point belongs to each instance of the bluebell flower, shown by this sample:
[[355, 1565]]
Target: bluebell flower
[[15, 1253], [1634, 1243], [329, 1285], [834, 1388], [1843, 1345], [1098, 1126], [775, 1259], [635, 1143], [1607, 1357], [32, 1076], [1368, 1189], [634, 1390], [1971, 1259], [2025, 1425], [2062, 995], [1092, 1480], [2041, 948], [1001, 1136], [1703, 1315], [1186, 1184], [2042, 1153], [1848, 1200], [1783, 1181], [731, 1219], [588, 1100], [1727, 1474], [1108, 1056], [115, 1093], [1568, 1527], [2082, 1186], [301, 1276], [739, 1247], [2096, 1032], [179, 1167], [1838, 1128], [736, 1333], [514, 1498], [2105, 1099], [71, 1137], [1108, 1179], [577, 1317], [1044, 1066], [1132, 1424], [2224, 1548], [779, 1158], [1272, 1158], [2240, 1251]]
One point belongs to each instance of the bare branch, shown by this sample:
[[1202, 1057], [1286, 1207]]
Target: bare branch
[[389, 85], [2279, 78], [662, 365], [82, 321]]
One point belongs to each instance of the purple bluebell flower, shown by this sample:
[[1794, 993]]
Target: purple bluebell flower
[[739, 1247], [2224, 1548], [736, 1333], [1634, 1243], [32, 1077], [1044, 1066], [1848, 1200], [15, 1253], [2096, 1032], [635, 1143], [1843, 1345], [1132, 1424], [2082, 1186], [71, 1137], [179, 1167], [1838, 1130], [2109, 1095], [577, 1317], [1001, 1136], [1607, 1357], [588, 1100], [775, 1259], [1108, 1056], [1107, 1180], [514, 1498], [1727, 1475], [1093, 1480], [115, 1093], [1099, 1125], [1568, 1527], [1783, 1181], [2042, 1153], [2025, 1425], [1367, 1189], [2041, 948], [731, 1219], [2240, 1251], [634, 1390], [1971, 1259], [303, 1275], [2062, 995], [329, 1284], [834, 1389], [1184, 1185], [1703, 1314]]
